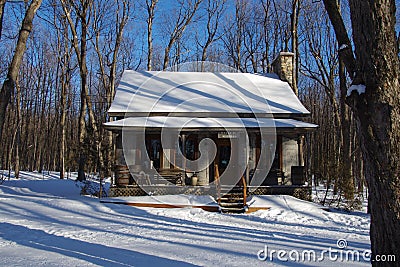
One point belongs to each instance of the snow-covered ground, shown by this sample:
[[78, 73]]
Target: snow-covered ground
[[45, 221]]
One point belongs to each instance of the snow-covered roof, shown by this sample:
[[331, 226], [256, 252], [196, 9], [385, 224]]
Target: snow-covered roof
[[196, 94], [199, 123]]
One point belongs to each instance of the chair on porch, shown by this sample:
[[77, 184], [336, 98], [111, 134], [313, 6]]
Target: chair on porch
[[174, 176], [142, 178], [273, 177], [298, 175]]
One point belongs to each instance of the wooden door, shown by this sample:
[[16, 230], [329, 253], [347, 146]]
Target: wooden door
[[223, 154]]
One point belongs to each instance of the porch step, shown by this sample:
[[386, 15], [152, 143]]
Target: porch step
[[233, 189], [231, 204], [233, 210], [232, 200]]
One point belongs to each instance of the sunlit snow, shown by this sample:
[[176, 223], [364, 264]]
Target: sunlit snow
[[44, 221]]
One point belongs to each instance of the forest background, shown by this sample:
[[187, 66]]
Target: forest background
[[77, 50]]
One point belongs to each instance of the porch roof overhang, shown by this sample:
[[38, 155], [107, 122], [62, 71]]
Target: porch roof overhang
[[212, 124], [204, 94]]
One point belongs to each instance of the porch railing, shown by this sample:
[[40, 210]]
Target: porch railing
[[244, 191], [217, 183]]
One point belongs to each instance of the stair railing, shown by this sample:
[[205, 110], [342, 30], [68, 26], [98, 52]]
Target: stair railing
[[244, 191], [217, 183]]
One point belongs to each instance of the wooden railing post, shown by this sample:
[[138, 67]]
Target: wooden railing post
[[244, 191], [217, 183]]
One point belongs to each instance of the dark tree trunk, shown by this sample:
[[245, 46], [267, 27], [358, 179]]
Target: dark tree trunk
[[64, 85], [82, 124], [378, 116], [83, 12], [18, 137], [347, 183], [9, 83], [295, 46], [377, 112], [333, 10]]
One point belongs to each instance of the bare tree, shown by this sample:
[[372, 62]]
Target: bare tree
[[267, 21], [333, 9], [151, 6], [18, 136], [215, 9], [323, 65], [186, 11], [108, 80], [253, 39], [80, 47], [9, 83], [346, 180], [376, 106], [64, 61], [294, 25], [234, 34]]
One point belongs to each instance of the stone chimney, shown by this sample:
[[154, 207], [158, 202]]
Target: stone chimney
[[283, 67]]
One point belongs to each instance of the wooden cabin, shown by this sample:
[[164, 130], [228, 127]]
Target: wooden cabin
[[198, 132]]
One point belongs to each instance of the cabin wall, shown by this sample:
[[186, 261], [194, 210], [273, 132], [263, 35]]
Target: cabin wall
[[119, 155], [290, 157], [253, 157], [204, 175]]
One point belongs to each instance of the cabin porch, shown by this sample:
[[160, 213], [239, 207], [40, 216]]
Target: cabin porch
[[146, 166]]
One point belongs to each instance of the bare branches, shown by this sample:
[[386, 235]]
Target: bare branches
[[83, 13], [185, 16], [333, 9], [215, 9]]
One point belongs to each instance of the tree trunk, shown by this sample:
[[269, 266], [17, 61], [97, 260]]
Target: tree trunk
[[9, 83], [347, 183], [109, 80], [64, 85], [333, 10], [295, 47], [18, 138], [150, 12], [96, 136], [378, 116], [377, 113], [82, 124], [83, 12]]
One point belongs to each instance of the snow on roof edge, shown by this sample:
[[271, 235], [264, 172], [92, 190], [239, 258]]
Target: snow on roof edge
[[200, 123]]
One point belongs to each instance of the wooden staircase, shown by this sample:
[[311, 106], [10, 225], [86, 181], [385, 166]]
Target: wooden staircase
[[231, 199]]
